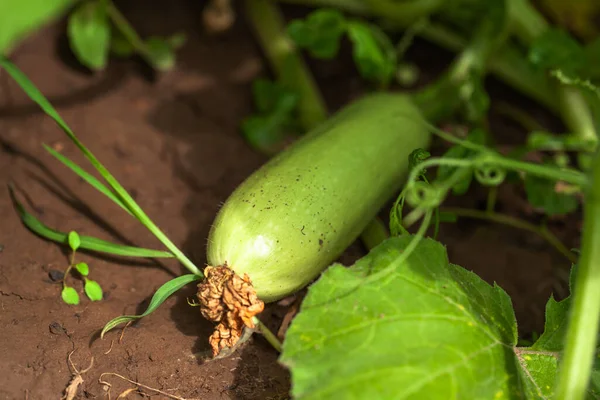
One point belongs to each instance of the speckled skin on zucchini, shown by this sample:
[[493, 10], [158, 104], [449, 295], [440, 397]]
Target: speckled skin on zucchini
[[295, 215]]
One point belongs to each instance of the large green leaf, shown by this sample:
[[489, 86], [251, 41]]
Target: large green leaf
[[419, 329], [20, 18], [425, 330]]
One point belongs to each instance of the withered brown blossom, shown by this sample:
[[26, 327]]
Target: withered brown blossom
[[230, 300]]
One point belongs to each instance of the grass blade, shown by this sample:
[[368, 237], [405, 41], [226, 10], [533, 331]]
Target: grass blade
[[31, 90], [87, 242], [89, 178], [162, 294]]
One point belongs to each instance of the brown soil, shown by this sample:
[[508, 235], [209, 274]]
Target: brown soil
[[174, 142]]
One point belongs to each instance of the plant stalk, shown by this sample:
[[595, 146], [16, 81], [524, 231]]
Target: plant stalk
[[582, 332], [528, 24], [269, 27], [269, 336]]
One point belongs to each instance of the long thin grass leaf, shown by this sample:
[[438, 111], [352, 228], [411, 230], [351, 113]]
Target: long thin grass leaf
[[162, 294], [31, 90], [87, 242], [89, 178]]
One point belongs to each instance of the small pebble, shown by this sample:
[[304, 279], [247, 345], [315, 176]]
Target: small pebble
[[56, 328], [56, 275]]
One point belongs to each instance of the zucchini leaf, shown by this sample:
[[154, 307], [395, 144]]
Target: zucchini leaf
[[543, 354], [428, 329]]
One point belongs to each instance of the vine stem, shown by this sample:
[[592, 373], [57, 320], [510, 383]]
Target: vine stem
[[270, 336], [269, 28], [515, 223], [582, 332]]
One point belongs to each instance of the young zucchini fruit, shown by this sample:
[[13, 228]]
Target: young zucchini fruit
[[294, 216]]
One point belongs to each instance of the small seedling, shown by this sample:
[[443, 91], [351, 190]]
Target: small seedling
[[92, 289]]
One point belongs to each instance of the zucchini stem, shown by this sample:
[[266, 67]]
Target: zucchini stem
[[270, 336], [582, 332], [288, 65]]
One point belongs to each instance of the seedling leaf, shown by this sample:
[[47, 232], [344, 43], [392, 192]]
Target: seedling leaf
[[159, 297], [74, 240], [20, 18], [82, 268], [89, 34], [70, 296], [542, 193], [93, 290], [320, 32]]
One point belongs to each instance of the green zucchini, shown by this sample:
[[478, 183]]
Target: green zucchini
[[295, 215]]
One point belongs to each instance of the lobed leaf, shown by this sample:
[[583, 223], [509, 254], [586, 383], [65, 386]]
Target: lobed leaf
[[427, 329], [541, 358]]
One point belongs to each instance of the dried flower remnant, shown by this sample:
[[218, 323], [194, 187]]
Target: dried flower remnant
[[230, 300]]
